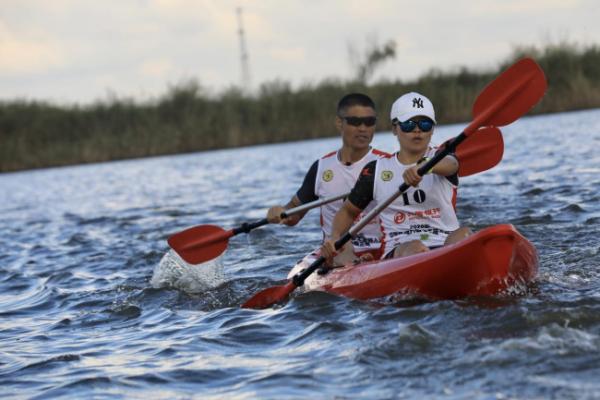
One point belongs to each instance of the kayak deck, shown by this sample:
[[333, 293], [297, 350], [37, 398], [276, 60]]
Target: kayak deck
[[486, 263]]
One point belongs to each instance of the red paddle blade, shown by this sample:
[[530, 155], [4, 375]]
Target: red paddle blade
[[480, 152], [200, 243], [270, 296], [520, 87]]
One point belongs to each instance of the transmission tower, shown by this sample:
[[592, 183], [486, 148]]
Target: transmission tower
[[243, 53]]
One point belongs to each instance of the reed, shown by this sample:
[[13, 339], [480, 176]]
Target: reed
[[36, 134]]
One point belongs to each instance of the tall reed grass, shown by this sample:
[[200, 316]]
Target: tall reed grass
[[36, 134]]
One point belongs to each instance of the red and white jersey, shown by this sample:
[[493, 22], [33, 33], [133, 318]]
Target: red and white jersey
[[426, 213], [334, 178]]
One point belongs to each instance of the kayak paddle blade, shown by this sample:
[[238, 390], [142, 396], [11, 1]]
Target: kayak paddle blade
[[200, 243], [510, 95], [480, 152], [270, 296]]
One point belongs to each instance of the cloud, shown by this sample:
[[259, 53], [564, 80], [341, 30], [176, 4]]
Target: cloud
[[157, 68], [26, 55], [143, 46], [512, 7], [288, 54]]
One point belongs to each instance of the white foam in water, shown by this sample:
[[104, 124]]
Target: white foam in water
[[174, 272]]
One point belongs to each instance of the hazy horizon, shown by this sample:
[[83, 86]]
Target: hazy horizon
[[79, 52]]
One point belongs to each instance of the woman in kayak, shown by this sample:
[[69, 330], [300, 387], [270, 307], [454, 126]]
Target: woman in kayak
[[336, 172], [423, 217]]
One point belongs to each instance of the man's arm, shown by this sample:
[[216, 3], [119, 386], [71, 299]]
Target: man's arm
[[305, 194], [360, 196]]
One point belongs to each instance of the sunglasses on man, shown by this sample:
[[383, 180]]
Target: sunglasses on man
[[358, 121]]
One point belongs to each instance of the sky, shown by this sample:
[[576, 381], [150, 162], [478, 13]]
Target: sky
[[82, 51]]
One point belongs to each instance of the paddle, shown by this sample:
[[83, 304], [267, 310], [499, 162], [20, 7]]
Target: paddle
[[505, 99], [481, 152], [202, 243]]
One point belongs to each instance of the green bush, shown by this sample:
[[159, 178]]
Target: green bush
[[36, 134]]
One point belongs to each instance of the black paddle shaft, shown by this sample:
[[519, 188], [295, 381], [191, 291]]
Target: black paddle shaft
[[450, 147], [248, 226]]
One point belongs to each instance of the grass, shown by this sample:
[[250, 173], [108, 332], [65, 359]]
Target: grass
[[36, 134]]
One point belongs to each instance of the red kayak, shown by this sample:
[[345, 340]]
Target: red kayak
[[486, 263]]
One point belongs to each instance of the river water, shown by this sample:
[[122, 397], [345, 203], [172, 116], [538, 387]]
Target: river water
[[94, 305]]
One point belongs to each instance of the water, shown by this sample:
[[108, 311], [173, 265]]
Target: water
[[92, 304]]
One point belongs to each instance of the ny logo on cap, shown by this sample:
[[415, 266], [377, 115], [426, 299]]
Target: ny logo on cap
[[417, 102]]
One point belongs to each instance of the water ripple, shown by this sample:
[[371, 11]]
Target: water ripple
[[94, 305]]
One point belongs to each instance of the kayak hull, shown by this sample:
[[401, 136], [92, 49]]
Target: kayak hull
[[484, 264]]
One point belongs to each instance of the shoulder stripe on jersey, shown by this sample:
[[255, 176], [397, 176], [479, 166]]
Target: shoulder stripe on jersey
[[454, 195], [329, 154], [381, 153]]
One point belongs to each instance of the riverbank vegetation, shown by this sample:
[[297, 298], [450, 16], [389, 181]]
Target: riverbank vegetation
[[36, 134]]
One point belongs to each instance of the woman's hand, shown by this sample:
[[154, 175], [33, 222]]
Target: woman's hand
[[411, 176]]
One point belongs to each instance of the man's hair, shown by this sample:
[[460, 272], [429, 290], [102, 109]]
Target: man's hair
[[354, 99]]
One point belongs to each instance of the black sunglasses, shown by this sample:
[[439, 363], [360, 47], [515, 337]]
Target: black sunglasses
[[424, 125], [358, 121]]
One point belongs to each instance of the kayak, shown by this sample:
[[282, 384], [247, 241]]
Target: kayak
[[486, 263]]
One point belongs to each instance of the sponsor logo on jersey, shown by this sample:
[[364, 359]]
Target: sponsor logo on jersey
[[400, 217], [387, 175], [431, 213], [420, 229], [362, 241], [327, 175], [360, 216]]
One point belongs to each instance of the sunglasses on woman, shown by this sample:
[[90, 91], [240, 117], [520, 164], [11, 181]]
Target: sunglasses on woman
[[425, 125], [358, 121]]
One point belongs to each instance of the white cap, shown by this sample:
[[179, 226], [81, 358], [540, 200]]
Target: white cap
[[412, 105]]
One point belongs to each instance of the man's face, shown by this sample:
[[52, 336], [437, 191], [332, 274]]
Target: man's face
[[357, 126]]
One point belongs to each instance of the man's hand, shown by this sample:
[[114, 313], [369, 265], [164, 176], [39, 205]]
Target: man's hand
[[274, 216], [328, 251]]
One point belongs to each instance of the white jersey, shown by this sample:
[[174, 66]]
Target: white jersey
[[425, 213], [334, 178]]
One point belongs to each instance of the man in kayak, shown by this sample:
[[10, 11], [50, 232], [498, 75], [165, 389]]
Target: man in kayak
[[336, 172], [424, 216]]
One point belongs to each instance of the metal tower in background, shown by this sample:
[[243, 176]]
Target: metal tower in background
[[243, 53]]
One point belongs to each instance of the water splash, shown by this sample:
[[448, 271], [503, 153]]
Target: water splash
[[173, 272]]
